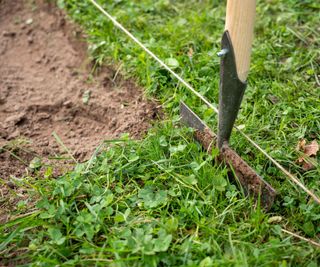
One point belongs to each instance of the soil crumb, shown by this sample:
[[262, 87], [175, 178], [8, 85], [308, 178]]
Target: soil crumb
[[47, 86]]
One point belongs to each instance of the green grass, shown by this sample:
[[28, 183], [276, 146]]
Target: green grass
[[161, 201]]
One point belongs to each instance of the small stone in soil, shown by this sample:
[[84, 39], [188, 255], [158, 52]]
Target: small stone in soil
[[29, 21], [30, 39]]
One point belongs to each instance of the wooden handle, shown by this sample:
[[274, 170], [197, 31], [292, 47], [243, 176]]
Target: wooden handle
[[240, 23]]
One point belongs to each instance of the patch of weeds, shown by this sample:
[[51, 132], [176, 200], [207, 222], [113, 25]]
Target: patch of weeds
[[156, 202]]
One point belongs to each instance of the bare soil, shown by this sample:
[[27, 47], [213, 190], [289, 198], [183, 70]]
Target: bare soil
[[47, 86]]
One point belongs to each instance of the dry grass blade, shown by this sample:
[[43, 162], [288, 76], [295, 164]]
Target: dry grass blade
[[301, 237], [59, 141]]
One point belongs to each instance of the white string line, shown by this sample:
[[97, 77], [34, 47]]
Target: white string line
[[301, 237], [187, 85]]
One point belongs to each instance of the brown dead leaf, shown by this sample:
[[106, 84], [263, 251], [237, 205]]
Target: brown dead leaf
[[312, 149], [301, 144], [309, 152], [307, 166]]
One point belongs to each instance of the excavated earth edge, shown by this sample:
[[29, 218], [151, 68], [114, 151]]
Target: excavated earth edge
[[47, 86]]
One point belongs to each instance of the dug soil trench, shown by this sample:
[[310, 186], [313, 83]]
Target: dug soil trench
[[47, 86]]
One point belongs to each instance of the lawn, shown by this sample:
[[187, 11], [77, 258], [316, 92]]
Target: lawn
[[162, 201]]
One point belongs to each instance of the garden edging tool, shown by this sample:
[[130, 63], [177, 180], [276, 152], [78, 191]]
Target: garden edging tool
[[235, 61]]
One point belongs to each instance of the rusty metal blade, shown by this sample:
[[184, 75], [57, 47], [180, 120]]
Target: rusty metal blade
[[190, 118], [252, 183]]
